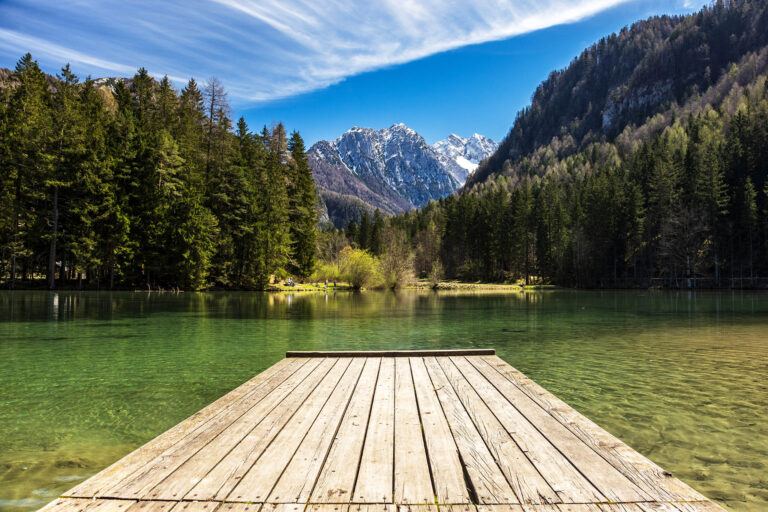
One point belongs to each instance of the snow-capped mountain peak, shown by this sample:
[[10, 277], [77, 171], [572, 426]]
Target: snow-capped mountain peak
[[395, 163], [393, 169], [467, 153]]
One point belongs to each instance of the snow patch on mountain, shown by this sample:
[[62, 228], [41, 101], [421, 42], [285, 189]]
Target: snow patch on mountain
[[466, 153], [394, 163]]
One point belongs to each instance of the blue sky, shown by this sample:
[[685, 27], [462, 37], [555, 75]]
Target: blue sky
[[323, 66]]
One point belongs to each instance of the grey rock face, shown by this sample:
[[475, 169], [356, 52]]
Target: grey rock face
[[464, 154], [393, 169]]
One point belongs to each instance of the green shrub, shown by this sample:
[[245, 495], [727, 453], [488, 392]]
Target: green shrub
[[358, 268]]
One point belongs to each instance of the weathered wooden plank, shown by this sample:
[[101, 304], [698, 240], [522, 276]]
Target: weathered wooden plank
[[501, 508], [413, 483], [255, 407], [569, 484], [396, 434], [110, 505], [241, 507], [619, 507], [605, 477], [447, 470], [191, 426], [417, 508], [337, 477], [658, 507], [197, 506], [153, 506], [698, 506], [460, 508], [258, 482], [296, 483], [486, 478], [335, 507], [368, 507], [66, 505], [659, 485], [283, 507], [522, 476], [394, 353], [375, 477], [227, 471]]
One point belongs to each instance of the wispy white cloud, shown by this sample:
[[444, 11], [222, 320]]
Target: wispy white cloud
[[267, 49], [23, 43]]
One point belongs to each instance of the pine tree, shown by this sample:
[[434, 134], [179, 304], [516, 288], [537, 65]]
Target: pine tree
[[29, 126], [302, 202], [67, 147], [750, 220], [273, 212]]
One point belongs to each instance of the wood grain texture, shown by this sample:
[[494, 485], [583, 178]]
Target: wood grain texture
[[554, 467], [606, 478], [197, 506], [337, 477], [444, 431], [257, 484], [656, 484], [297, 481], [226, 474], [228, 425], [377, 463], [486, 478], [443, 455], [413, 484], [191, 426], [522, 476]]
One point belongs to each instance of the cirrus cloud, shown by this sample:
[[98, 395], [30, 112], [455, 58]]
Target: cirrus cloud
[[265, 49]]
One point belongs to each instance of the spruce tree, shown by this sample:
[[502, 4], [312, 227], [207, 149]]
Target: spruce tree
[[302, 216]]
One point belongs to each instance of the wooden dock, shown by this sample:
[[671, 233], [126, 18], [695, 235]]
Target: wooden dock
[[441, 431]]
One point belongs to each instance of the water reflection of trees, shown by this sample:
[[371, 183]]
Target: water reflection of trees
[[34, 306]]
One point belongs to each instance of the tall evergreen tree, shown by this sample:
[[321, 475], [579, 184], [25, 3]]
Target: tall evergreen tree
[[302, 203]]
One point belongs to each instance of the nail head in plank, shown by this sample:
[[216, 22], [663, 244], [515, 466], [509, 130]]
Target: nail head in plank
[[242, 507]]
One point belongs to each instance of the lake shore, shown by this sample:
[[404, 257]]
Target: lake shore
[[419, 284]]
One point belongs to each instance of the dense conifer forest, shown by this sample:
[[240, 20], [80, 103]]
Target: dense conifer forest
[[132, 184], [645, 162]]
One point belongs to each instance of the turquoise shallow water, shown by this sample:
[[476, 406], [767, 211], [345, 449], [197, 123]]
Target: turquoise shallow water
[[87, 377]]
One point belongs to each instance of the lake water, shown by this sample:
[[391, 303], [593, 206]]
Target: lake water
[[87, 377]]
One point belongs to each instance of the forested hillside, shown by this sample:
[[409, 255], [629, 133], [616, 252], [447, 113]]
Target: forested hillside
[[130, 183], [648, 68], [659, 180]]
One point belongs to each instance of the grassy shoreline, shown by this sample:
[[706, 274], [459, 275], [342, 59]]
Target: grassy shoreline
[[420, 285]]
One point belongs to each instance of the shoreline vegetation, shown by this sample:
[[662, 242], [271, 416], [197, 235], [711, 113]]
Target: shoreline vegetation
[[625, 172]]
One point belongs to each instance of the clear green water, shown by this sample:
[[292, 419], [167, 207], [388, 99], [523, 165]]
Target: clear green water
[[87, 377]]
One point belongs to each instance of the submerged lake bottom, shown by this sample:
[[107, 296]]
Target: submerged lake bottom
[[87, 377]]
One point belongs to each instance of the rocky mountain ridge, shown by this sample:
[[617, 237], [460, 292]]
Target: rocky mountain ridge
[[466, 152], [392, 169]]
